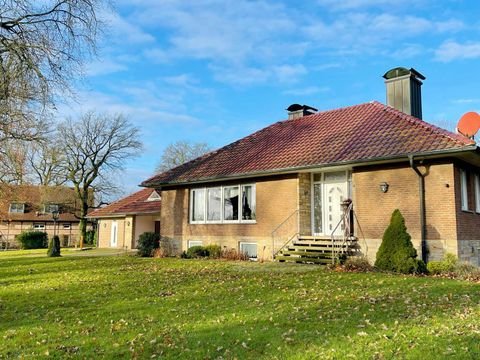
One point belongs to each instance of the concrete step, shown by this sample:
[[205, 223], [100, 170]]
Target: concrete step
[[302, 260]]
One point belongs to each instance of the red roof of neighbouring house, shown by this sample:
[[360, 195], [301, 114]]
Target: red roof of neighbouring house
[[136, 203], [360, 133]]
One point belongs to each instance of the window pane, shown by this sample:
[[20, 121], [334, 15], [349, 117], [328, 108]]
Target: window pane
[[464, 190], [17, 207], [317, 208], [248, 202], [230, 203], [477, 192], [50, 208], [317, 177], [198, 205], [192, 243], [214, 204], [249, 249], [335, 176]]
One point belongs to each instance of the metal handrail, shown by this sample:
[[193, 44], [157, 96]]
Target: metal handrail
[[345, 215], [288, 218], [286, 243]]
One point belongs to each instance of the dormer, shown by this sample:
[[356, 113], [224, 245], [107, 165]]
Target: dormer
[[50, 208], [16, 208], [154, 196]]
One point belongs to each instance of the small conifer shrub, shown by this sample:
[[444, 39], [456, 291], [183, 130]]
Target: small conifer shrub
[[54, 247], [147, 243], [396, 253]]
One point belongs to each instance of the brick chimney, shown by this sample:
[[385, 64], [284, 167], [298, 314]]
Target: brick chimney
[[296, 111]]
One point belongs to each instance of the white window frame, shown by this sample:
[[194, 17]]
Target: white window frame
[[464, 189], [192, 243], [247, 243], [38, 226], [222, 220], [67, 226], [477, 193], [48, 205], [204, 206], [16, 210]]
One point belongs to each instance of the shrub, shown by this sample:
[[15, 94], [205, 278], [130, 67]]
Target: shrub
[[147, 243], [33, 240], [447, 265], [197, 252], [233, 254], [214, 251], [358, 264], [54, 247], [396, 253], [90, 237]]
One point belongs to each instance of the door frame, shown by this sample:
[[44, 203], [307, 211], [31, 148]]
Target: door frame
[[347, 182]]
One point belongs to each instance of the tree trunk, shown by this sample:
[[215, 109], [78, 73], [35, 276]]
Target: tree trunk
[[83, 220]]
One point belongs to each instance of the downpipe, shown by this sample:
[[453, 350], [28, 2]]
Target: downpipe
[[423, 229]]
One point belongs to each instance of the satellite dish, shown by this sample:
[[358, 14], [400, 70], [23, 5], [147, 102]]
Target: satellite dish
[[469, 124]]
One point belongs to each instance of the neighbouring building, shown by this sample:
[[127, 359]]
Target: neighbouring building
[[122, 222], [30, 207], [287, 182]]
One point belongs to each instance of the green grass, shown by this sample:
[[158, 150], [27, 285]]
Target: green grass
[[84, 305]]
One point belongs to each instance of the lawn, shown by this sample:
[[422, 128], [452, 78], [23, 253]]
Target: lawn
[[89, 305]]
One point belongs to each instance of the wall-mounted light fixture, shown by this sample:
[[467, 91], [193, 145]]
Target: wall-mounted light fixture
[[384, 187], [128, 223]]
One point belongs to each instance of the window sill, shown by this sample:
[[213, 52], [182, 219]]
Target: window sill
[[244, 222], [468, 211]]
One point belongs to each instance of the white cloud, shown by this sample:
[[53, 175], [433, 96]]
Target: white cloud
[[124, 31], [451, 50], [466, 101], [305, 91], [104, 66]]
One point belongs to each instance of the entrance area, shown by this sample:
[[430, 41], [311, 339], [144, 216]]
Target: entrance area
[[329, 190]]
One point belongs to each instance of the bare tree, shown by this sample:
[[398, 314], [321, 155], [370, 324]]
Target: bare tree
[[43, 45], [180, 152], [46, 163], [13, 162], [93, 146]]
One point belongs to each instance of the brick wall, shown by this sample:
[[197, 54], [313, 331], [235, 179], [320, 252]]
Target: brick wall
[[374, 208], [276, 199]]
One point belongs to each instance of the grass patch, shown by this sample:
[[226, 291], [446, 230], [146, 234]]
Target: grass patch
[[92, 306]]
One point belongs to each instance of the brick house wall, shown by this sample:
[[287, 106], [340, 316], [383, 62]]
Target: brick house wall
[[276, 200]]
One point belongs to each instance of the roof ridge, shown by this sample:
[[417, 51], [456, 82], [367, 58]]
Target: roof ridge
[[425, 124]]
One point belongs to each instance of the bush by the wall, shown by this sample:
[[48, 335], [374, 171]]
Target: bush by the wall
[[214, 251], [447, 265], [90, 237], [33, 240], [396, 253], [54, 247], [197, 252], [358, 264], [147, 243]]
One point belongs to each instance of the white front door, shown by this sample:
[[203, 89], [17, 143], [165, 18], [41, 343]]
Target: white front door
[[329, 190], [113, 234], [335, 193]]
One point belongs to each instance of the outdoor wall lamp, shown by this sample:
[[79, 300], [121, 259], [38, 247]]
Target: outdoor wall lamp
[[384, 187]]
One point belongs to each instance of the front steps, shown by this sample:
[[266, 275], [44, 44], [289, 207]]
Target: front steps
[[317, 250]]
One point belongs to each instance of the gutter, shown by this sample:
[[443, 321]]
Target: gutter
[[423, 228]]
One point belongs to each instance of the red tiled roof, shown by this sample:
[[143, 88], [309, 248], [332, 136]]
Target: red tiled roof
[[135, 203], [359, 133]]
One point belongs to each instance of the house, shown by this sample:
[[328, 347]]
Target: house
[[289, 183], [31, 207], [123, 221]]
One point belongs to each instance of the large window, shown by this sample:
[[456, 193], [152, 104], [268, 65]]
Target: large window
[[249, 249], [464, 189], [17, 208], [227, 204]]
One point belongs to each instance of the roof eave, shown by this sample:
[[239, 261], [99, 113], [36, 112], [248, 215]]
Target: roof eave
[[362, 162]]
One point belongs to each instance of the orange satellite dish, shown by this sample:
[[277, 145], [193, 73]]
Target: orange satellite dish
[[469, 124]]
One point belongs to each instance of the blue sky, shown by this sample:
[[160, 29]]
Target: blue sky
[[216, 70]]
